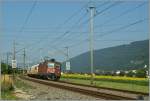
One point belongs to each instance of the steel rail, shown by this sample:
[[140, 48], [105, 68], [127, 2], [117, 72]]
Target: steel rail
[[114, 89], [80, 89]]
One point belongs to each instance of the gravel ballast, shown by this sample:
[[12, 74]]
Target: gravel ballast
[[44, 92]]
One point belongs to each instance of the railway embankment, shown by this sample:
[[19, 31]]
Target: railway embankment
[[35, 91], [92, 91]]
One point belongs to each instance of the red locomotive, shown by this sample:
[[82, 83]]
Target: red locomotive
[[49, 69]]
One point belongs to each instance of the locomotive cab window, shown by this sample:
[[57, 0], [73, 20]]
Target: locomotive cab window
[[50, 65], [57, 66]]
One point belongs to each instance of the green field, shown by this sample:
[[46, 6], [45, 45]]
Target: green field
[[125, 83]]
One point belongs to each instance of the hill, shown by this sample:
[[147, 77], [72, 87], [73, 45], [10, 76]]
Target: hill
[[124, 57]]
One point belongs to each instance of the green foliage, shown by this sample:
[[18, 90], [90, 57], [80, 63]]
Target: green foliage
[[21, 84], [7, 69], [140, 73], [4, 88], [122, 73], [130, 74], [8, 95]]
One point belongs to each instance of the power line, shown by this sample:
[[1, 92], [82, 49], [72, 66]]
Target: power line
[[115, 40], [123, 13], [123, 27], [102, 11], [105, 9], [46, 36], [110, 32], [67, 32], [73, 15], [94, 16], [78, 43], [28, 15], [60, 27], [110, 20], [27, 18], [103, 4]]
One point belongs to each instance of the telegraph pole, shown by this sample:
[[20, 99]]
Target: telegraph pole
[[67, 59], [7, 61], [92, 9], [24, 59], [67, 55], [0, 67], [0, 61], [14, 51], [14, 60], [28, 65]]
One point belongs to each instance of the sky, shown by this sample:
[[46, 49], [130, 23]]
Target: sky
[[46, 27]]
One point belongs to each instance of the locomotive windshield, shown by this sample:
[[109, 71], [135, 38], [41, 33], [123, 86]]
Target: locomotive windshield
[[50, 65], [57, 65]]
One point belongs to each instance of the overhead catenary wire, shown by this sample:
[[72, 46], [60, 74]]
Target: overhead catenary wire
[[45, 37], [123, 13], [85, 39], [61, 36], [111, 32], [108, 21], [28, 16], [67, 32], [105, 9], [102, 11], [120, 15], [123, 27], [27, 19], [72, 16], [103, 4]]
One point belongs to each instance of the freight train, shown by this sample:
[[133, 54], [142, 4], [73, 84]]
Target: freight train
[[49, 69]]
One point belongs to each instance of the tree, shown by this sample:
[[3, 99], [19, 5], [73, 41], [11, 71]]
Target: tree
[[122, 73], [3, 68], [130, 74], [6, 70], [141, 73]]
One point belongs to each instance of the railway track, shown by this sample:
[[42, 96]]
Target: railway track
[[88, 90], [126, 91]]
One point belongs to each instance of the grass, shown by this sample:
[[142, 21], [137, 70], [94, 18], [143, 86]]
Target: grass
[[8, 95], [6, 82], [7, 88], [131, 85], [22, 85]]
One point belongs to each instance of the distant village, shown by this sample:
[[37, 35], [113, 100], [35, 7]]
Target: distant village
[[142, 72]]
